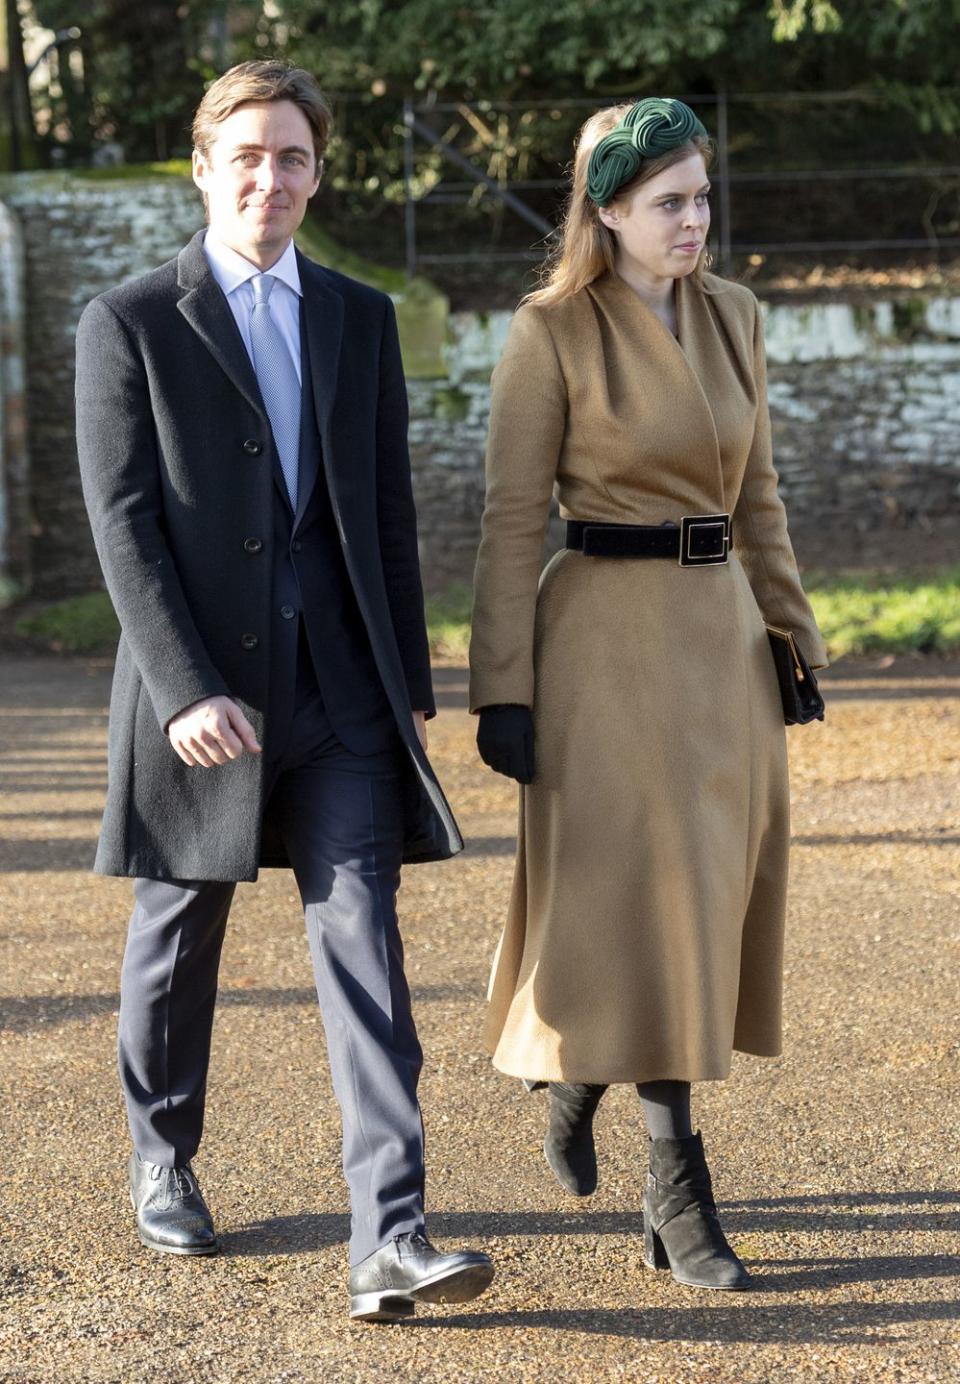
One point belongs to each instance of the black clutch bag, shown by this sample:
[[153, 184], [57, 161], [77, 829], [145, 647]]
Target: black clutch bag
[[799, 692]]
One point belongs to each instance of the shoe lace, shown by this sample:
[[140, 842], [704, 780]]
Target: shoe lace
[[415, 1240], [177, 1183], [182, 1182]]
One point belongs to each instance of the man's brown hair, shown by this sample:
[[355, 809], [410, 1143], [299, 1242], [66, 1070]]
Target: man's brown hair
[[262, 80]]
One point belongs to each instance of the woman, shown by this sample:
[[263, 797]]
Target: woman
[[644, 936]]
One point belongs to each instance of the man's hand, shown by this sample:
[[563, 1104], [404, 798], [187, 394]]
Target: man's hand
[[420, 723], [211, 732]]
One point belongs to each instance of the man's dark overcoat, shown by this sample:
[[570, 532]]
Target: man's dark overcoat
[[177, 462]]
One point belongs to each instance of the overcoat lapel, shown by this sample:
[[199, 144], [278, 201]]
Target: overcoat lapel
[[322, 326], [308, 453], [723, 372], [696, 339], [687, 366], [208, 312], [323, 318]]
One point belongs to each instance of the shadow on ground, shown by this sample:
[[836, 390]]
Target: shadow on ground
[[27, 1013], [726, 1319], [857, 1324], [844, 1212]]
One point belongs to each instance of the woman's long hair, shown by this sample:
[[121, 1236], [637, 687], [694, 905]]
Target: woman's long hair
[[585, 247]]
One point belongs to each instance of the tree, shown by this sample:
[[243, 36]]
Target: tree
[[17, 117], [143, 66]]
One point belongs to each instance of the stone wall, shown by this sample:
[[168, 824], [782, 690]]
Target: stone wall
[[866, 408], [15, 521], [80, 237], [865, 400]]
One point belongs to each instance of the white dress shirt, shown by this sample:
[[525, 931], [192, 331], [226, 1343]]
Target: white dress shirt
[[233, 273]]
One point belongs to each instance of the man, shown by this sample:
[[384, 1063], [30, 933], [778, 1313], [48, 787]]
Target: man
[[241, 424]]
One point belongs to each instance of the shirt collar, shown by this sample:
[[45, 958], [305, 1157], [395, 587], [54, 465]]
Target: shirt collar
[[230, 269]]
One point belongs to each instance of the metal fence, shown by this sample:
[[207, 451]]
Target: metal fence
[[455, 147]]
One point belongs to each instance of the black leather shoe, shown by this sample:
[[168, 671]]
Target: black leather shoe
[[681, 1227], [568, 1147], [172, 1215], [387, 1285]]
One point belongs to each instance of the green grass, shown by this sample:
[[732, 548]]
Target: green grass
[[448, 622], [864, 613], [78, 625], [87, 624]]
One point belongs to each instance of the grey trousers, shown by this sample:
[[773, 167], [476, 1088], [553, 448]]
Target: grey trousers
[[340, 818]]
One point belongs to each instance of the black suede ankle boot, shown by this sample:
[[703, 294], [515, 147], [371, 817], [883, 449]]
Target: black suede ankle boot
[[568, 1147], [681, 1228]]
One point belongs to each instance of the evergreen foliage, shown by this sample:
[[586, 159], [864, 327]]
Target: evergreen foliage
[[144, 64]]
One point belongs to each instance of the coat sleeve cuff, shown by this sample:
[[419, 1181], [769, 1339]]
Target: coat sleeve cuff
[[172, 701], [495, 691], [421, 697]]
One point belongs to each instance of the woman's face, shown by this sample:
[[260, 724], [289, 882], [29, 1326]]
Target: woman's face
[[662, 225]]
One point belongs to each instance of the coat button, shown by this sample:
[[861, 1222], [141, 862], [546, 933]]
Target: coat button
[[249, 641], [253, 545], [296, 545], [252, 447], [287, 612]]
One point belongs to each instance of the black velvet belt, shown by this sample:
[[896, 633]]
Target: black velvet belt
[[699, 540]]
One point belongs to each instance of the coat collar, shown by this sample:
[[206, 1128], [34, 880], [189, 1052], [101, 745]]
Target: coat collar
[[617, 290], [692, 355], [205, 307]]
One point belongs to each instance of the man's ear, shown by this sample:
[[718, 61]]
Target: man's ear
[[319, 177], [199, 169]]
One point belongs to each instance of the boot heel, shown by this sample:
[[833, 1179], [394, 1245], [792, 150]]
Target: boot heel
[[654, 1254], [679, 1198]]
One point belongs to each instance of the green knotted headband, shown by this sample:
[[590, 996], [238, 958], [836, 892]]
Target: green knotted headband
[[650, 128]]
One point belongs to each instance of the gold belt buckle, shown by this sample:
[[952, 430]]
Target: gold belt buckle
[[690, 524]]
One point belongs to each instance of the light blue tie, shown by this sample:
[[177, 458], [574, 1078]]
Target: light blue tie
[[277, 377]]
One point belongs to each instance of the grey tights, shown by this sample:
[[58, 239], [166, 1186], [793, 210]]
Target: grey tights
[[665, 1104], [666, 1108]]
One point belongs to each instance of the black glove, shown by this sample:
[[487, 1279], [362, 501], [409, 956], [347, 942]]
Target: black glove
[[505, 740]]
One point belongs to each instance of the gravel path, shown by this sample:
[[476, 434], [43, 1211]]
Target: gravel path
[[836, 1166]]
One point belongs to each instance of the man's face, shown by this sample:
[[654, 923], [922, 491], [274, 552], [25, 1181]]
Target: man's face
[[259, 174]]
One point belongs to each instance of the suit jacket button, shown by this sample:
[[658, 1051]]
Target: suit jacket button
[[253, 545], [287, 612], [249, 641], [252, 447], [296, 545]]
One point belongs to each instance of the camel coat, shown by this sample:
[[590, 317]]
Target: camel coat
[[645, 930]]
